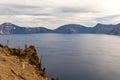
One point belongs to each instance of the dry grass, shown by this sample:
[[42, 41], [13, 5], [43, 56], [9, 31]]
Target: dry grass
[[14, 68]]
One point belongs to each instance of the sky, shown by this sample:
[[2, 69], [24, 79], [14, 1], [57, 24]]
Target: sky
[[54, 13]]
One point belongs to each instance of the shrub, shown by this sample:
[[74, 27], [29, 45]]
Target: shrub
[[25, 46], [13, 52], [33, 61]]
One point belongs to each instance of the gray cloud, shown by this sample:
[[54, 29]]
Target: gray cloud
[[18, 6], [106, 18], [40, 14], [76, 10], [14, 9]]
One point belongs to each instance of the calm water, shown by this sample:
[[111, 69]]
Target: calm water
[[74, 56]]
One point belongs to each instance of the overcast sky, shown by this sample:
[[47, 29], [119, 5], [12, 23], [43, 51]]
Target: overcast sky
[[54, 13]]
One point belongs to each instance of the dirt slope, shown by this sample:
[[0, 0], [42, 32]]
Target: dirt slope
[[15, 66]]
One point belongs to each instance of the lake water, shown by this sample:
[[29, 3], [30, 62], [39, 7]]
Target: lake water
[[74, 56]]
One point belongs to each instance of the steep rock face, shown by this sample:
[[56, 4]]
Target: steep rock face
[[9, 28], [19, 64]]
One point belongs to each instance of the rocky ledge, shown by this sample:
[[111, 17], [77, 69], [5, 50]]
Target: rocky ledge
[[21, 64]]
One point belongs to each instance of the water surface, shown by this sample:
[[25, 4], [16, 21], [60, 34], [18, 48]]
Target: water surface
[[74, 56]]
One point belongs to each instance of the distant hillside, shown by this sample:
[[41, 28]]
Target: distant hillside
[[72, 28], [9, 28], [98, 29], [38, 30], [106, 29]]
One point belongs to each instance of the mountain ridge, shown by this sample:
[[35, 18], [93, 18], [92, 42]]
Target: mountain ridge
[[9, 28]]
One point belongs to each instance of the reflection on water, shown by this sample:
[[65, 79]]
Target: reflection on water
[[74, 56]]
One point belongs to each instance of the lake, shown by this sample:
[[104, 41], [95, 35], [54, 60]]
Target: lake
[[74, 56]]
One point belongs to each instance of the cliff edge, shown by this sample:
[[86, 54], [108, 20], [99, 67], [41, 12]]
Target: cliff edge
[[20, 64]]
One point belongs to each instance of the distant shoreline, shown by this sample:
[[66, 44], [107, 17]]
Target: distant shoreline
[[9, 28]]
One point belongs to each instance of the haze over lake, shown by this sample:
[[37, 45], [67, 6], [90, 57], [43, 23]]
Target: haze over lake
[[74, 56]]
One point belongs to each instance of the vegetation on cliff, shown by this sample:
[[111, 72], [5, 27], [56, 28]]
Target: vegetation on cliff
[[21, 64]]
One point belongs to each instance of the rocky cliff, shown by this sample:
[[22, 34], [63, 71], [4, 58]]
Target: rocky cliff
[[21, 64], [9, 28]]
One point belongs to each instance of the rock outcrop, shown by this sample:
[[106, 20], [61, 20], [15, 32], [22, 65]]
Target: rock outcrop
[[21, 64]]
